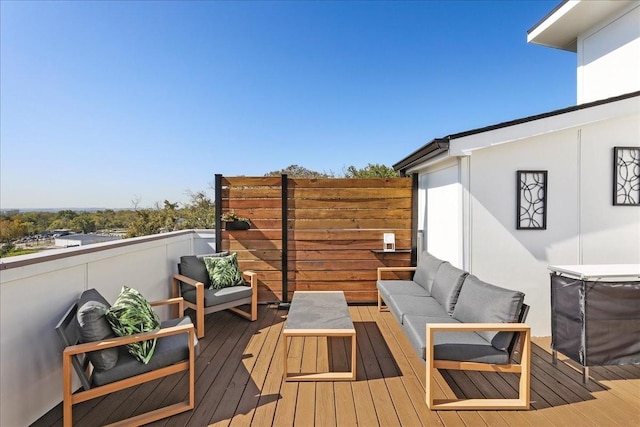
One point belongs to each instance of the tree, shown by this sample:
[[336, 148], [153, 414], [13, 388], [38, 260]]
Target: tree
[[295, 171], [371, 171], [11, 230], [199, 212], [63, 220], [67, 214], [154, 221], [84, 223]]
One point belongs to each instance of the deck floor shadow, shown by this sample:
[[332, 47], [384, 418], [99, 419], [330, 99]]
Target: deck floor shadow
[[239, 381]]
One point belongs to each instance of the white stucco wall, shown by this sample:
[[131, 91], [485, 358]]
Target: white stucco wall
[[468, 203], [518, 259], [609, 234], [609, 57]]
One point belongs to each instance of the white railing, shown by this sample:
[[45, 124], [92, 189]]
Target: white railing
[[36, 290]]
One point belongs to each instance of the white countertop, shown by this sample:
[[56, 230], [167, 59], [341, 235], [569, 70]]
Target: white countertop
[[599, 271]]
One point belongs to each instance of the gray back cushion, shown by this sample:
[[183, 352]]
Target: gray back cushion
[[446, 285], [94, 327], [426, 270], [193, 267], [485, 303]]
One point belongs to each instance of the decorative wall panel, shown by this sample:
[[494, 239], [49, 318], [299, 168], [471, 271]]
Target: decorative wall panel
[[531, 200], [626, 176]]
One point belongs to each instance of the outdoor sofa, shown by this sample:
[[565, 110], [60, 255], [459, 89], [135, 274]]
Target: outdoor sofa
[[454, 320]]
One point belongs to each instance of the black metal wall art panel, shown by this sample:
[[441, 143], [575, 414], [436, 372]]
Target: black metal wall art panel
[[532, 200], [626, 176]]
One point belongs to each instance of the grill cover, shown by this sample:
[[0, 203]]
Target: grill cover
[[595, 323]]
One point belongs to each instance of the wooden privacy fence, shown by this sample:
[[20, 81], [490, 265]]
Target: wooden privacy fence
[[317, 234]]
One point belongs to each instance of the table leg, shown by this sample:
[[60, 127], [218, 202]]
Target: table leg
[[354, 346], [284, 347]]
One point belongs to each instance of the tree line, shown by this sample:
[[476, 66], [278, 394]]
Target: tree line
[[197, 213]]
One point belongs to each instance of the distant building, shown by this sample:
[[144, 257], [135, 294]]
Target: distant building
[[72, 240]]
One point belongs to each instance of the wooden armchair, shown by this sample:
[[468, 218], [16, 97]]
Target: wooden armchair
[[174, 352], [193, 284]]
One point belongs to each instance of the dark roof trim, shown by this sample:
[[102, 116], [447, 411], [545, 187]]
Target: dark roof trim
[[429, 151], [436, 146]]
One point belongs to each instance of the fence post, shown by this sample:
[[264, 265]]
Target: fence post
[[285, 242], [218, 209], [414, 219]]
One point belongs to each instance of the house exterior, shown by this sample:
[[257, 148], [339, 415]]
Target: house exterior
[[475, 209]]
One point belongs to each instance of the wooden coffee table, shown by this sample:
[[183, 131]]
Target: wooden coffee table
[[319, 314]]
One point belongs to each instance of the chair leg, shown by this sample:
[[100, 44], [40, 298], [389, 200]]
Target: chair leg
[[200, 311], [254, 306], [67, 405]]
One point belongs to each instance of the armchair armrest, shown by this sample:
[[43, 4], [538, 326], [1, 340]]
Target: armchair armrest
[[176, 300], [186, 280], [393, 269], [474, 327], [175, 289], [252, 277], [120, 341]]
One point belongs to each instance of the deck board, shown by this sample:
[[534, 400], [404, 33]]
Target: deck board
[[239, 382]]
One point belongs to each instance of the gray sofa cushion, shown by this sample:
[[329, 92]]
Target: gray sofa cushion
[[426, 270], [447, 284], [460, 346], [414, 327], [400, 287], [401, 305], [219, 296], [485, 303], [169, 350]]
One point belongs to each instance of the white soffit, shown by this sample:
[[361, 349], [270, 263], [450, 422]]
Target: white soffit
[[561, 28]]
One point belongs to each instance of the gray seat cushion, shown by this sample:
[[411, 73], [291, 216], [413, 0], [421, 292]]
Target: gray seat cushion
[[219, 296], [459, 346], [403, 305], [169, 350], [467, 347], [414, 327], [447, 284], [426, 270], [485, 303], [400, 287]]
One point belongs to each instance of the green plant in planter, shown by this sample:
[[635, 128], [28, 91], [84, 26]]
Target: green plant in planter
[[234, 222]]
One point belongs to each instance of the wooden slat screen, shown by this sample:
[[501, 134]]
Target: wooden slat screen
[[333, 227]]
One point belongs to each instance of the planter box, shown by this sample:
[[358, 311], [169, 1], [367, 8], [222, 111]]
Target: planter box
[[236, 225]]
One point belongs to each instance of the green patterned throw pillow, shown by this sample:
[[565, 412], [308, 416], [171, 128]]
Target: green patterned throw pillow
[[223, 271], [132, 314]]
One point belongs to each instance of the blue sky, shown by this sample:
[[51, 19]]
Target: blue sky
[[105, 102]]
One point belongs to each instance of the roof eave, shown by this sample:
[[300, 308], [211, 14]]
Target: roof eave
[[561, 27], [430, 150]]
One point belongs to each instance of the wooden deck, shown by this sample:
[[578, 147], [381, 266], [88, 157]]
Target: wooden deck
[[239, 382]]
